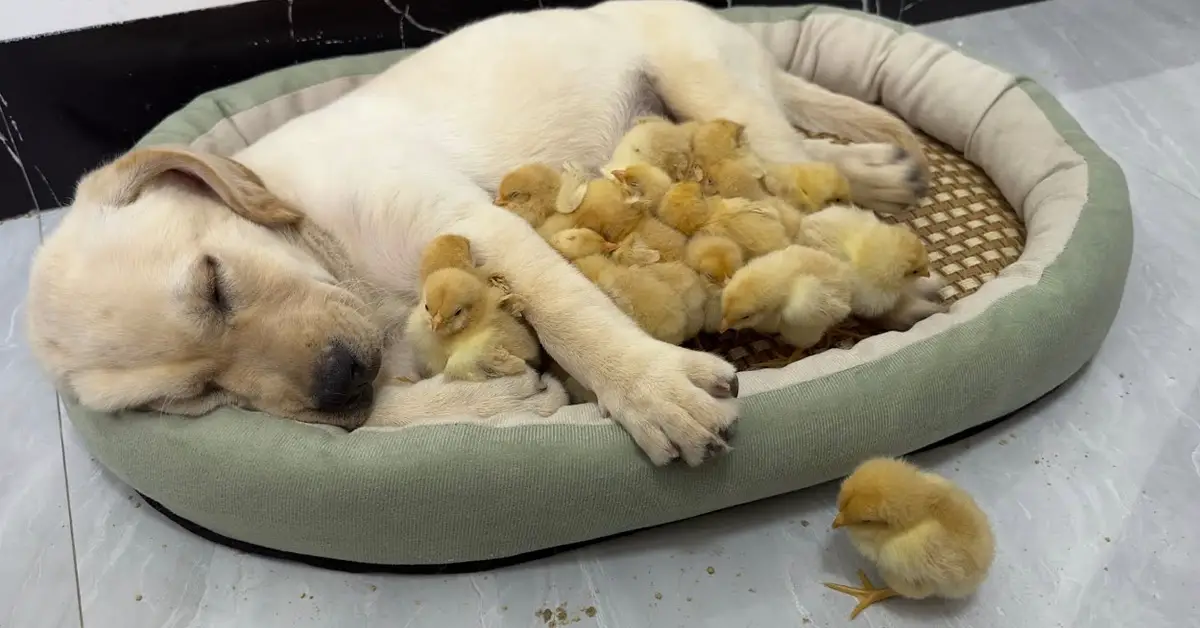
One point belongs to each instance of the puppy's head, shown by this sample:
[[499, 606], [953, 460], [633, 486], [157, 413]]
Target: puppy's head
[[178, 283]]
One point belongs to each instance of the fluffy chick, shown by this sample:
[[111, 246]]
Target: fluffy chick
[[807, 186], [798, 293], [888, 260], [644, 185], [753, 225], [659, 142], [926, 535], [445, 251], [461, 329], [688, 287], [716, 258], [724, 163], [643, 294], [609, 207], [530, 192]]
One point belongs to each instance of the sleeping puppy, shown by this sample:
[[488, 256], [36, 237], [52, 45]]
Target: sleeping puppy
[[278, 279]]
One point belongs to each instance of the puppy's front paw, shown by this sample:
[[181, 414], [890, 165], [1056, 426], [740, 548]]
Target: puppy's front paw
[[674, 402], [883, 177]]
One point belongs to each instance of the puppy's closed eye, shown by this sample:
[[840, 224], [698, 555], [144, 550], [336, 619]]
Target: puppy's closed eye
[[215, 289]]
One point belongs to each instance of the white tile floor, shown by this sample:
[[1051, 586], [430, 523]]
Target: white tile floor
[[1094, 492]]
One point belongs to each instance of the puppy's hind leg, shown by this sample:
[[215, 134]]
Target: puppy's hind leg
[[719, 70]]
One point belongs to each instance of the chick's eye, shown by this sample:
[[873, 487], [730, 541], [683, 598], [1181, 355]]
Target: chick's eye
[[457, 312], [216, 293]]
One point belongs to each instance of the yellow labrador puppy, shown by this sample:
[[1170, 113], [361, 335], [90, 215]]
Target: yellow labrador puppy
[[278, 279]]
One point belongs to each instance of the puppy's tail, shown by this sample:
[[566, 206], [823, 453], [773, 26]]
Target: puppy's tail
[[819, 110]]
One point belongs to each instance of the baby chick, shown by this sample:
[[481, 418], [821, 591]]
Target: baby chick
[[659, 142], [797, 292], [927, 535], [724, 163], [465, 325], [658, 308], [808, 186], [461, 329], [753, 225], [644, 185], [687, 286], [715, 259], [530, 192], [445, 251], [613, 209], [887, 260]]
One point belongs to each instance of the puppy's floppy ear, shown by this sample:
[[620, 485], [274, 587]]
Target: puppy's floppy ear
[[121, 181]]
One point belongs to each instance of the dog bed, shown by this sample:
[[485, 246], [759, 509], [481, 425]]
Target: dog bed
[[1027, 219]]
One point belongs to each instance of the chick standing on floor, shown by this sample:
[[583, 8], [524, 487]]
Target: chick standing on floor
[[798, 293], [461, 328], [926, 535]]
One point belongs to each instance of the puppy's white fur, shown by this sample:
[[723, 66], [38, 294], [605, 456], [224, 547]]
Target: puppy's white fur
[[418, 152]]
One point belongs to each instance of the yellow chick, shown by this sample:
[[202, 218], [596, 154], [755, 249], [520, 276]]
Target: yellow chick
[[644, 185], [604, 206], [530, 192], [445, 251], [753, 225], [659, 142], [798, 293], [461, 329], [687, 286], [808, 186], [658, 308], [926, 535], [724, 163], [715, 257], [464, 325], [887, 260]]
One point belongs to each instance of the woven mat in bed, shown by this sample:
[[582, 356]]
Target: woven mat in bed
[[971, 233]]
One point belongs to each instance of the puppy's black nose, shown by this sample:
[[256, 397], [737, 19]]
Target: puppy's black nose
[[342, 380]]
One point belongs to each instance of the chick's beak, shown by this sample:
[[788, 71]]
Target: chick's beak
[[609, 247], [436, 322], [839, 521], [620, 175], [724, 326]]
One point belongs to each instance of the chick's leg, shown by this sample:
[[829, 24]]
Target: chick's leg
[[866, 595]]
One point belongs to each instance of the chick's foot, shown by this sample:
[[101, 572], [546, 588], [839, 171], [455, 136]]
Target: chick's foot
[[866, 595]]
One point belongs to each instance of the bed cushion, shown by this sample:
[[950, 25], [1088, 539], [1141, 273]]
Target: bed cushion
[[1029, 221]]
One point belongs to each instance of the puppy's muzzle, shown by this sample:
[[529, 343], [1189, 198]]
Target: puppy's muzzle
[[343, 380]]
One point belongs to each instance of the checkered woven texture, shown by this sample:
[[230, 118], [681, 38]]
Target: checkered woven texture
[[971, 233]]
